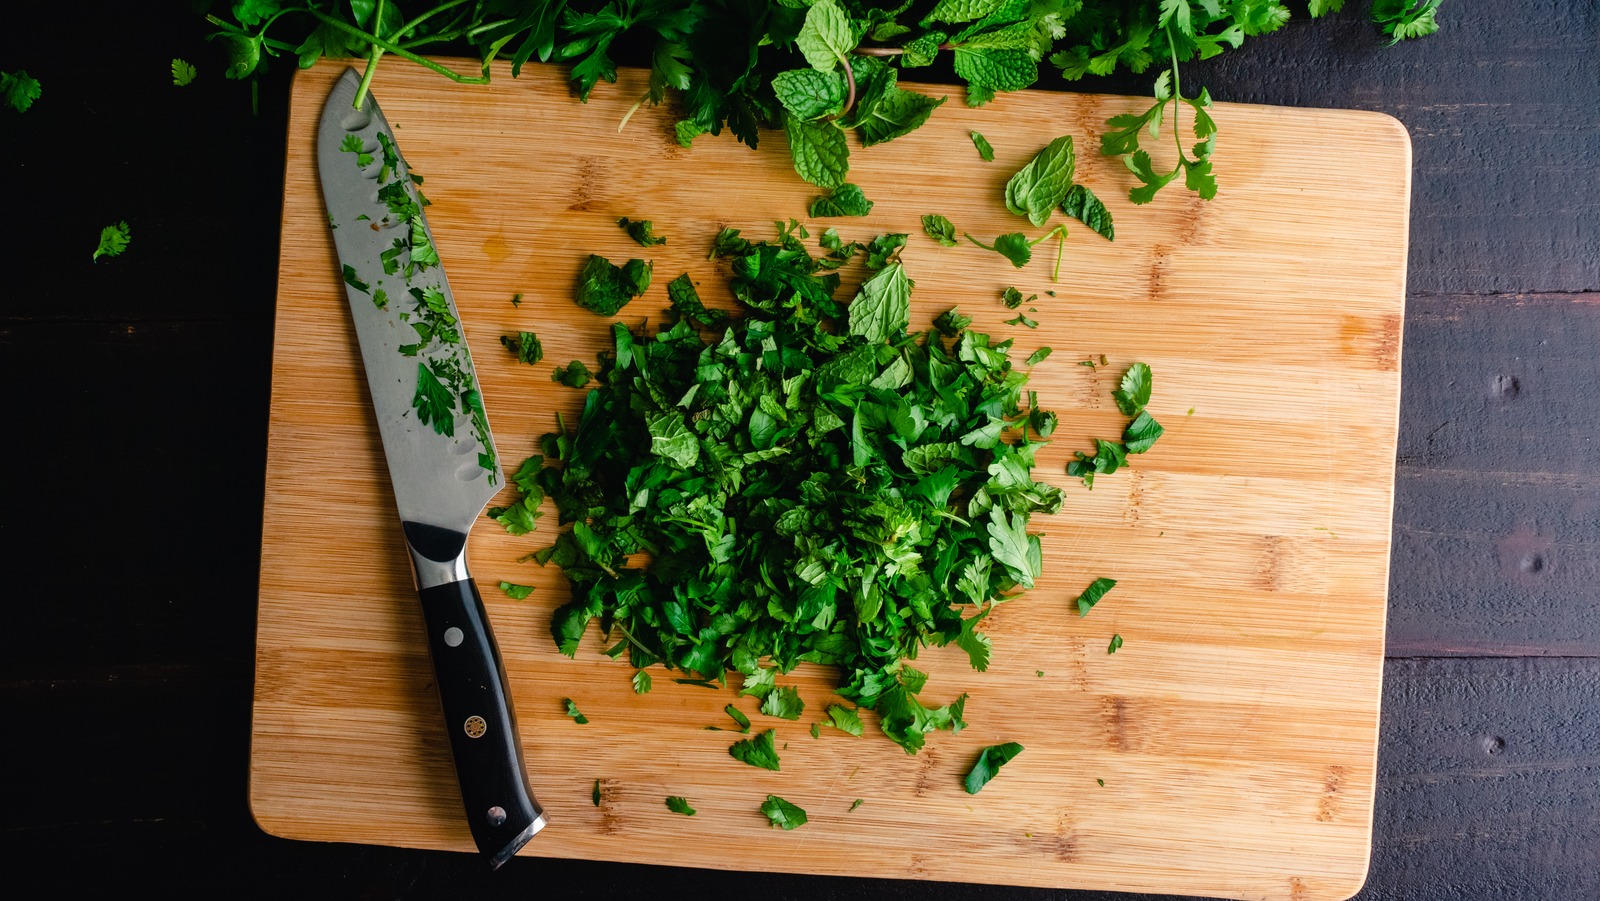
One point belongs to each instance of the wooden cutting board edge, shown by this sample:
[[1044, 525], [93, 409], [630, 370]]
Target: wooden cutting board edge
[[287, 829]]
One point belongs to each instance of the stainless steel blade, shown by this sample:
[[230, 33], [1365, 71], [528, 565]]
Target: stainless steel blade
[[441, 457], [444, 470]]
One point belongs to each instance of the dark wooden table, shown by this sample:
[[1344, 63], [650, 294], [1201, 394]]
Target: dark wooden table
[[134, 454]]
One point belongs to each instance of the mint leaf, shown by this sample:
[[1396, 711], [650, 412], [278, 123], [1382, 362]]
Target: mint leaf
[[956, 11], [1041, 186], [939, 229], [985, 151], [988, 71], [672, 440], [820, 153], [604, 287], [898, 113], [882, 309], [808, 93], [826, 36], [846, 200], [1081, 204], [1142, 433]]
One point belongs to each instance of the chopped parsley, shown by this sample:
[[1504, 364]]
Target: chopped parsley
[[605, 288], [182, 73], [1116, 642], [985, 152], [515, 591], [641, 682], [525, 345], [19, 90], [575, 713], [988, 764], [782, 813], [114, 240], [573, 375], [759, 751], [679, 805], [846, 200], [940, 229]]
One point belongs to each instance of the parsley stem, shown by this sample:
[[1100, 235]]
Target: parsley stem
[[1177, 96], [631, 110], [397, 50], [407, 27]]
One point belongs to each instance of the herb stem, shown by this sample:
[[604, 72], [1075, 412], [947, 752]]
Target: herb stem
[[1177, 97], [397, 50]]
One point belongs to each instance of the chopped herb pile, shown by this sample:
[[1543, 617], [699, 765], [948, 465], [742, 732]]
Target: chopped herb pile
[[814, 483], [1139, 436]]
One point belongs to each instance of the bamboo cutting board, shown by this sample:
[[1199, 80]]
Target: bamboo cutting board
[[1235, 733]]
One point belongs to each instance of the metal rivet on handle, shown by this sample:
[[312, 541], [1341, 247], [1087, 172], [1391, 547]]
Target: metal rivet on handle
[[475, 727], [496, 816], [453, 637]]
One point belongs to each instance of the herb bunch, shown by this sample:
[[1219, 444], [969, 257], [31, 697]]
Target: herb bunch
[[806, 482], [815, 68]]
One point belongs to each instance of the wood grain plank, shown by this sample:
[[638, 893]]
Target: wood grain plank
[[1497, 511]]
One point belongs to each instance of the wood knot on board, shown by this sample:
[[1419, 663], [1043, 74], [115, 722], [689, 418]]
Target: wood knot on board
[[925, 773], [590, 173], [1328, 805], [1269, 564], [1064, 840], [610, 818], [1297, 889], [1115, 720]]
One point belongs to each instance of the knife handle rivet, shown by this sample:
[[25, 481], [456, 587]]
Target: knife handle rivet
[[475, 727], [453, 637], [496, 816]]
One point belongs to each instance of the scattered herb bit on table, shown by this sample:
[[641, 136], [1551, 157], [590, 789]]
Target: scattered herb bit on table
[[782, 813], [677, 804]]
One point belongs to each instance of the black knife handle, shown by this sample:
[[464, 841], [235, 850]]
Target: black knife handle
[[478, 716]]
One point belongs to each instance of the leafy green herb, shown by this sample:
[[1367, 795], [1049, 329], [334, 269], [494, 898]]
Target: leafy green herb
[[686, 303], [951, 322], [738, 717], [1092, 595], [114, 240], [784, 702], [984, 150], [575, 713], [844, 719], [884, 250], [940, 229], [846, 200], [182, 73], [735, 67], [605, 288], [642, 231], [595, 794], [816, 730], [988, 764], [515, 591], [1013, 298], [856, 803], [1139, 435], [1116, 642], [679, 805], [782, 813], [1038, 356], [1018, 248], [759, 751], [1041, 186], [516, 300], [1082, 205], [1100, 782], [573, 375], [525, 345], [19, 90], [641, 682], [1023, 321], [813, 483]]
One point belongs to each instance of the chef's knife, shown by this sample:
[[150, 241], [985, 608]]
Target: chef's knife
[[442, 460]]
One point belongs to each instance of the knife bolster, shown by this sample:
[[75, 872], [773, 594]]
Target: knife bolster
[[438, 555]]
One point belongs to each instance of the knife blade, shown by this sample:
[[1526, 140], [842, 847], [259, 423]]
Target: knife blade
[[436, 442]]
